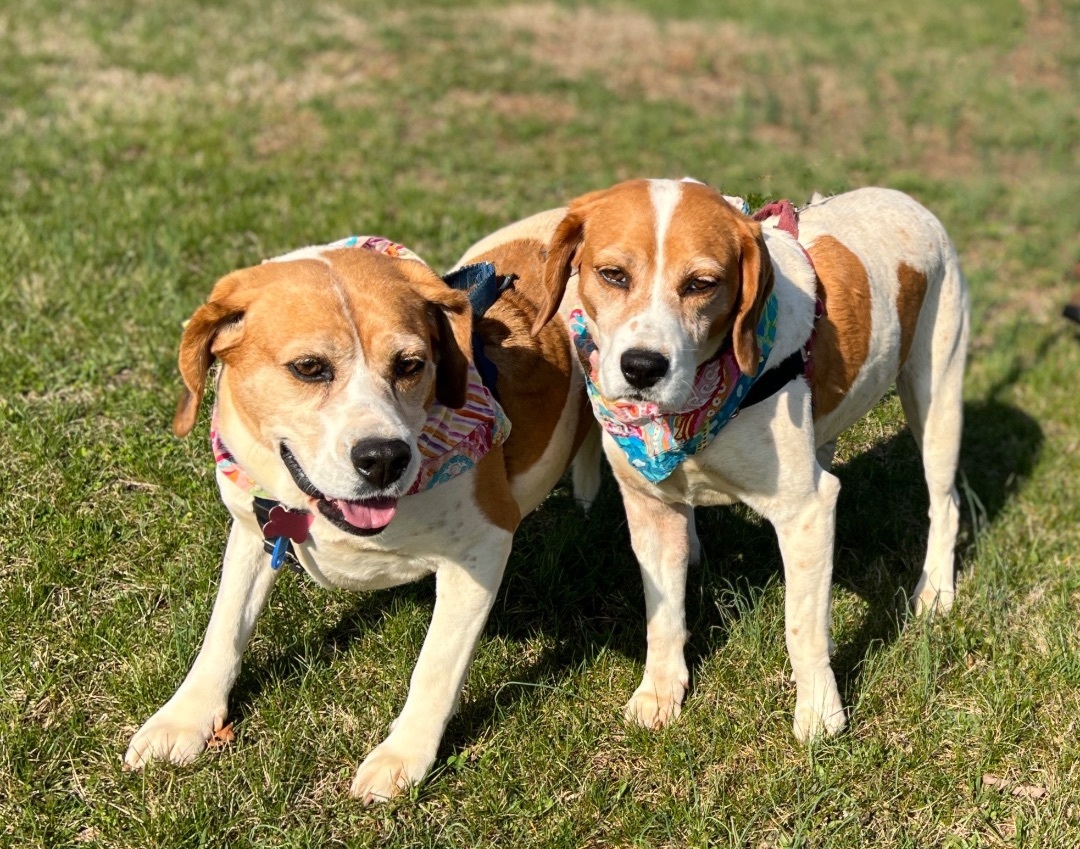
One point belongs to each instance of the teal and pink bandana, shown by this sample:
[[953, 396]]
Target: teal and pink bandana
[[451, 441], [654, 441]]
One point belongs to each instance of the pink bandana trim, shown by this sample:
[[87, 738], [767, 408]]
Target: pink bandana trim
[[227, 465], [453, 441]]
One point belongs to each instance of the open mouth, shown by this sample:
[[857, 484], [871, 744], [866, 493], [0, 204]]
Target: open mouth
[[362, 517], [365, 517]]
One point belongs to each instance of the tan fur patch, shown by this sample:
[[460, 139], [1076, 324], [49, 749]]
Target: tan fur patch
[[843, 332], [909, 300], [619, 229], [493, 491], [534, 372]]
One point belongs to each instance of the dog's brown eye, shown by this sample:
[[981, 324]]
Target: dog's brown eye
[[408, 367], [312, 370], [699, 284], [614, 276]]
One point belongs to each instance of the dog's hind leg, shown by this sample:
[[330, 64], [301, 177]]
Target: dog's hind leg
[[180, 730], [825, 453], [585, 471], [930, 386], [695, 542]]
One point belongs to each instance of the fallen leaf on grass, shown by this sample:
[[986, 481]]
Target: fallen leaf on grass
[[1026, 791], [222, 737]]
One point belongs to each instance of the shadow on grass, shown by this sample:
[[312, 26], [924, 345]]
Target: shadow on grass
[[597, 602], [573, 578]]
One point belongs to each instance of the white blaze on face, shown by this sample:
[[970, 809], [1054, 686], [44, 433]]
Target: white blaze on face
[[657, 326]]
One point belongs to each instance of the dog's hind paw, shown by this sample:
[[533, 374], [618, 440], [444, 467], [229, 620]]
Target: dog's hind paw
[[386, 772]]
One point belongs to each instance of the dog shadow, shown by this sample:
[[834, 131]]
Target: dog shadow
[[573, 577]]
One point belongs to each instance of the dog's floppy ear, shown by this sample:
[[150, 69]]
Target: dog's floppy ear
[[452, 316], [755, 286], [206, 334], [558, 264], [560, 254]]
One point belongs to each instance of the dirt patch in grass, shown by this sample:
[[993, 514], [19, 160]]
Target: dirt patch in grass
[[79, 73], [720, 70], [691, 62], [1035, 61]]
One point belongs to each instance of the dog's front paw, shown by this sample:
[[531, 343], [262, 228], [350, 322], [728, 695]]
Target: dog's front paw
[[928, 599], [173, 734], [388, 771], [654, 705], [822, 713]]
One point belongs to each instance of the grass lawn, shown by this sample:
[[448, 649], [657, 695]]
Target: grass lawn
[[148, 148]]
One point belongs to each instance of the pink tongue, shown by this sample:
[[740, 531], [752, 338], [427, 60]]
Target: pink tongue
[[368, 514]]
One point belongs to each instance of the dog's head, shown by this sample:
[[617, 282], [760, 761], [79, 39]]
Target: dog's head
[[667, 271], [330, 363]]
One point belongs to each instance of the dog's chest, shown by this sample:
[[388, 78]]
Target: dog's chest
[[355, 567], [430, 527], [693, 482]]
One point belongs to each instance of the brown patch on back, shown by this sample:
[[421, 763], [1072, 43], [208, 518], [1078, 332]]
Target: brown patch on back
[[909, 300], [843, 332], [534, 371], [493, 491]]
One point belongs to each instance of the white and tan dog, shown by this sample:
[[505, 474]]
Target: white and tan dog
[[668, 277], [333, 361]]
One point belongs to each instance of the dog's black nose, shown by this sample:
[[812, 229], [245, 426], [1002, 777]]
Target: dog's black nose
[[380, 462], [643, 368]]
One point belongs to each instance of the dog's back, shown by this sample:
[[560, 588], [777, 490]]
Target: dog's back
[[538, 385], [896, 309], [895, 305]]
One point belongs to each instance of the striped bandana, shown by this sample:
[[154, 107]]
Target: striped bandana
[[451, 441], [654, 441]]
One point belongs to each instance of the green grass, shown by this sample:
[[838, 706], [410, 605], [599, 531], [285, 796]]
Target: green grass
[[149, 148]]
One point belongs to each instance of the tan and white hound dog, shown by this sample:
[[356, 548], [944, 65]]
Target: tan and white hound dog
[[667, 276], [331, 363]]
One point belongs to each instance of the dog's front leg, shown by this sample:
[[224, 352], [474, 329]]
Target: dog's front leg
[[180, 730], [464, 592], [660, 534], [804, 517]]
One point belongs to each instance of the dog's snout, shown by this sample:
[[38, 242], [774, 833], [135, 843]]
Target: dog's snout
[[381, 462], [643, 368]]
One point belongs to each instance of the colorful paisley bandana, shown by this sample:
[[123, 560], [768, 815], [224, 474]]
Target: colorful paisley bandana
[[655, 441]]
